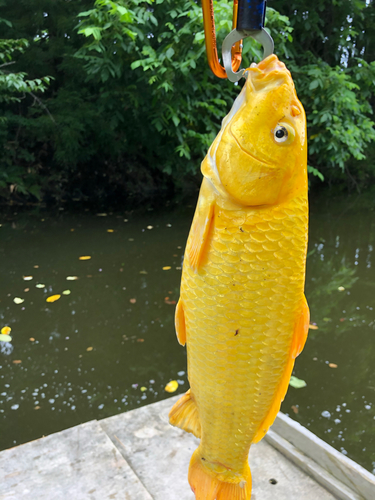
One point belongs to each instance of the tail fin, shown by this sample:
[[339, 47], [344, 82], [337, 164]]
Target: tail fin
[[210, 485]]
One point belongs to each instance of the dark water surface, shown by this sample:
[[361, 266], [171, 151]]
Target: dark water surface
[[109, 346]]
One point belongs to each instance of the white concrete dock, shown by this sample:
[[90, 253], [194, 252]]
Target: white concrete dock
[[138, 456]]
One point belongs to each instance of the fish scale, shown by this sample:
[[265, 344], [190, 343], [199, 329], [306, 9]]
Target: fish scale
[[273, 306], [242, 311]]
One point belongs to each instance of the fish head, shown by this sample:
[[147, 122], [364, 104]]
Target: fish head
[[260, 155]]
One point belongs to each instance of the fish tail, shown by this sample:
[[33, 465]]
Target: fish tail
[[210, 485]]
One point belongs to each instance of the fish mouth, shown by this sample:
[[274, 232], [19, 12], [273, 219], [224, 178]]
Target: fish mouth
[[263, 162], [269, 73]]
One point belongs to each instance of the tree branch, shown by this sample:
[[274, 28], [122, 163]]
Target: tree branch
[[7, 64], [42, 105]]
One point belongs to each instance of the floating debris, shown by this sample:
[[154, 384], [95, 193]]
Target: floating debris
[[27, 278], [85, 257], [172, 386], [6, 330], [40, 285], [5, 338], [66, 292], [18, 300], [297, 383], [53, 298], [71, 278], [89, 349], [313, 327], [166, 268], [332, 365]]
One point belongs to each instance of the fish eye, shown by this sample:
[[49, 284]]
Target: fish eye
[[283, 134]]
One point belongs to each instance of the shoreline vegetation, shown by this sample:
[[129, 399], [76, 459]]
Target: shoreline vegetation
[[113, 101]]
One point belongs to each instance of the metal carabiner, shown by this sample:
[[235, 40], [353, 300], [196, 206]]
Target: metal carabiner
[[210, 39], [248, 20]]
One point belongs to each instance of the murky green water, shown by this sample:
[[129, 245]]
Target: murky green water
[[109, 346]]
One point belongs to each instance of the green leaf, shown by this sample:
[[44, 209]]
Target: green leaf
[[297, 383], [316, 172], [136, 64]]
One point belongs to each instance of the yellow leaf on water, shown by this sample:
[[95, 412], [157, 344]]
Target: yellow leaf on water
[[32, 339], [314, 327], [166, 268], [66, 292], [71, 278], [85, 257], [40, 285], [143, 272], [18, 300], [143, 389], [27, 278], [171, 386], [332, 365], [53, 298], [110, 230], [6, 330], [89, 349]]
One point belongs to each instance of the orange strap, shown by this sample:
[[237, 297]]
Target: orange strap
[[210, 37]]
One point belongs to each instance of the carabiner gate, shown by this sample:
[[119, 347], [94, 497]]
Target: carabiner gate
[[248, 20]]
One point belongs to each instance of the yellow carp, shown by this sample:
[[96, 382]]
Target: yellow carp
[[242, 310]]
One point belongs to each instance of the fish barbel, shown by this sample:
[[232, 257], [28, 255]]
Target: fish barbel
[[242, 310]]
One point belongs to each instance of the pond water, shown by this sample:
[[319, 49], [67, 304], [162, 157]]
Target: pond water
[[109, 345]]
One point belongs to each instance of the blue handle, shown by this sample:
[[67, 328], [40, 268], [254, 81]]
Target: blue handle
[[251, 14]]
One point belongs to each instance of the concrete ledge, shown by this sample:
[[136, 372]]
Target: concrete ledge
[[78, 463], [336, 472], [138, 456], [160, 455]]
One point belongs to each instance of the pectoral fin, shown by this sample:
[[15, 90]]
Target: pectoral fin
[[184, 414], [302, 329], [179, 321], [201, 225], [299, 338]]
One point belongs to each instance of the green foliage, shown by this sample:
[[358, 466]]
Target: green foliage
[[13, 88], [339, 120], [332, 62], [171, 93], [133, 106]]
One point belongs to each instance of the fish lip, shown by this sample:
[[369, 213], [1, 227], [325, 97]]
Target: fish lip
[[248, 152]]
